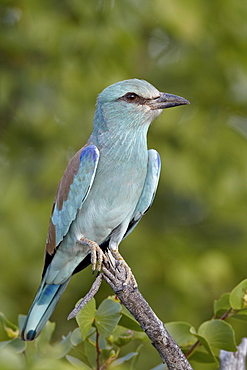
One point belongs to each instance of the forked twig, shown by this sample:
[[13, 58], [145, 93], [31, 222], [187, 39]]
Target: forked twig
[[93, 290], [132, 299]]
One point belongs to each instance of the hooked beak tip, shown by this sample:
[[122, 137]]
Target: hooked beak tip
[[168, 100]]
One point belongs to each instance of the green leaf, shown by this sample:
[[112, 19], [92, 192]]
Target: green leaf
[[10, 360], [55, 351], [11, 329], [4, 343], [122, 340], [91, 353], [129, 322], [209, 355], [76, 337], [106, 354], [42, 343], [181, 333], [241, 315], [17, 345], [218, 334], [77, 363], [102, 342], [85, 318], [238, 296], [123, 359], [135, 358], [83, 356], [222, 304], [107, 317], [61, 349], [203, 356]]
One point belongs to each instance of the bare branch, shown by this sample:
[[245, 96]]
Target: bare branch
[[94, 288], [132, 299]]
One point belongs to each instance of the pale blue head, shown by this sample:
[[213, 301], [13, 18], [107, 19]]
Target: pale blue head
[[131, 103]]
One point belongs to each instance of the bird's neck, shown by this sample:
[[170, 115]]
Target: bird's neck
[[121, 145], [121, 141]]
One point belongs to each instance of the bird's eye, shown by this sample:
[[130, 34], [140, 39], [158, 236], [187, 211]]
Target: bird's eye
[[131, 96]]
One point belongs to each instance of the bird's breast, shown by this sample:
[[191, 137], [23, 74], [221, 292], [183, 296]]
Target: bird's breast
[[112, 199]]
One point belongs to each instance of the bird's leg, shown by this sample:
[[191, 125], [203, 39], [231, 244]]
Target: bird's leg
[[97, 255], [119, 260]]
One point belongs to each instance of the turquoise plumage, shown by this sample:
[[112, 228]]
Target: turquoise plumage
[[107, 187]]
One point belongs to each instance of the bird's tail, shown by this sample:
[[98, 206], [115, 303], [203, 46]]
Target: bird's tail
[[43, 305]]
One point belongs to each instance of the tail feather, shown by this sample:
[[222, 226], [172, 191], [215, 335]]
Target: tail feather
[[43, 305]]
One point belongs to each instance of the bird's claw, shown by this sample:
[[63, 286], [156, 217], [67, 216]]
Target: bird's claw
[[117, 278], [95, 274], [97, 255], [120, 261], [113, 258]]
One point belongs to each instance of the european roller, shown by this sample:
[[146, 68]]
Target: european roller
[[107, 187]]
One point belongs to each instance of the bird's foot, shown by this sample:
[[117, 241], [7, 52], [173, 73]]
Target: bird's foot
[[120, 261], [97, 255]]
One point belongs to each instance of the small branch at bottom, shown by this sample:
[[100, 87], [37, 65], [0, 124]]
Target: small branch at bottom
[[133, 300], [93, 290]]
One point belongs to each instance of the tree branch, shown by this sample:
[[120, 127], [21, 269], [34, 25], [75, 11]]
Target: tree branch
[[133, 300], [93, 290]]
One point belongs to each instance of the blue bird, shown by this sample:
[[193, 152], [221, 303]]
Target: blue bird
[[107, 187]]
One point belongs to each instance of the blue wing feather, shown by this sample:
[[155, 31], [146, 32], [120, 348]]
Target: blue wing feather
[[148, 191], [78, 192]]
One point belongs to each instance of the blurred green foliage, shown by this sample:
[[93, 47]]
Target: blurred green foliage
[[98, 343], [56, 56], [105, 336]]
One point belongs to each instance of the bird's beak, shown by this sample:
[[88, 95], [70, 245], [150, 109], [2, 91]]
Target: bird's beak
[[166, 101]]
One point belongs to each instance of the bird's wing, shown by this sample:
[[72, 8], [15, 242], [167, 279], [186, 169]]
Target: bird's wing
[[71, 193], [148, 191]]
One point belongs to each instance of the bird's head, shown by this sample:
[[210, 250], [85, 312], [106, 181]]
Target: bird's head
[[133, 103]]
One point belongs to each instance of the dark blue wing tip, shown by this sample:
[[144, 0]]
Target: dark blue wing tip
[[90, 150], [31, 335]]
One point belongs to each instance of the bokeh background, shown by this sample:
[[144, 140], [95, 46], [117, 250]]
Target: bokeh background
[[56, 56]]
